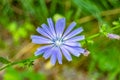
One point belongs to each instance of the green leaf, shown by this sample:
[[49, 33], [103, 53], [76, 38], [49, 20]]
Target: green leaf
[[12, 74], [90, 7], [43, 8], [4, 61]]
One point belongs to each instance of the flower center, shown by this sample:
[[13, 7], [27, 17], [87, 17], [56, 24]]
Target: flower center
[[58, 42]]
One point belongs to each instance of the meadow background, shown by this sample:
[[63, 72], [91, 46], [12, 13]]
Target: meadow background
[[19, 20]]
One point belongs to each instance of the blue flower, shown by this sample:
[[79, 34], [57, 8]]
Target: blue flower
[[59, 41]]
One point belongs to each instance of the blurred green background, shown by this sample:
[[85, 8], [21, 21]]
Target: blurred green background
[[20, 18]]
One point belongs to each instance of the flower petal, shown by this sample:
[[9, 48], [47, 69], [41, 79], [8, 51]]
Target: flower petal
[[60, 26], [66, 54], [53, 59], [42, 32], [76, 38], [47, 30], [73, 50], [40, 40], [51, 26], [70, 43], [42, 49], [70, 27], [78, 49], [48, 53], [73, 33], [59, 55]]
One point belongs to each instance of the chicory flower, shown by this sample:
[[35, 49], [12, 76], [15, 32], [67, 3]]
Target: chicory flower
[[59, 40]]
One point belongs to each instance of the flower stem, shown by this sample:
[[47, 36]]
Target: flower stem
[[97, 34], [18, 62], [93, 36], [115, 27]]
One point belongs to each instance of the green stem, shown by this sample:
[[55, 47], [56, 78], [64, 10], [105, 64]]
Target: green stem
[[93, 36], [97, 34], [89, 38], [18, 62], [115, 27]]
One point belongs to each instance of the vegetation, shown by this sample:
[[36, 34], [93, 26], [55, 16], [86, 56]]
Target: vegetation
[[19, 20]]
